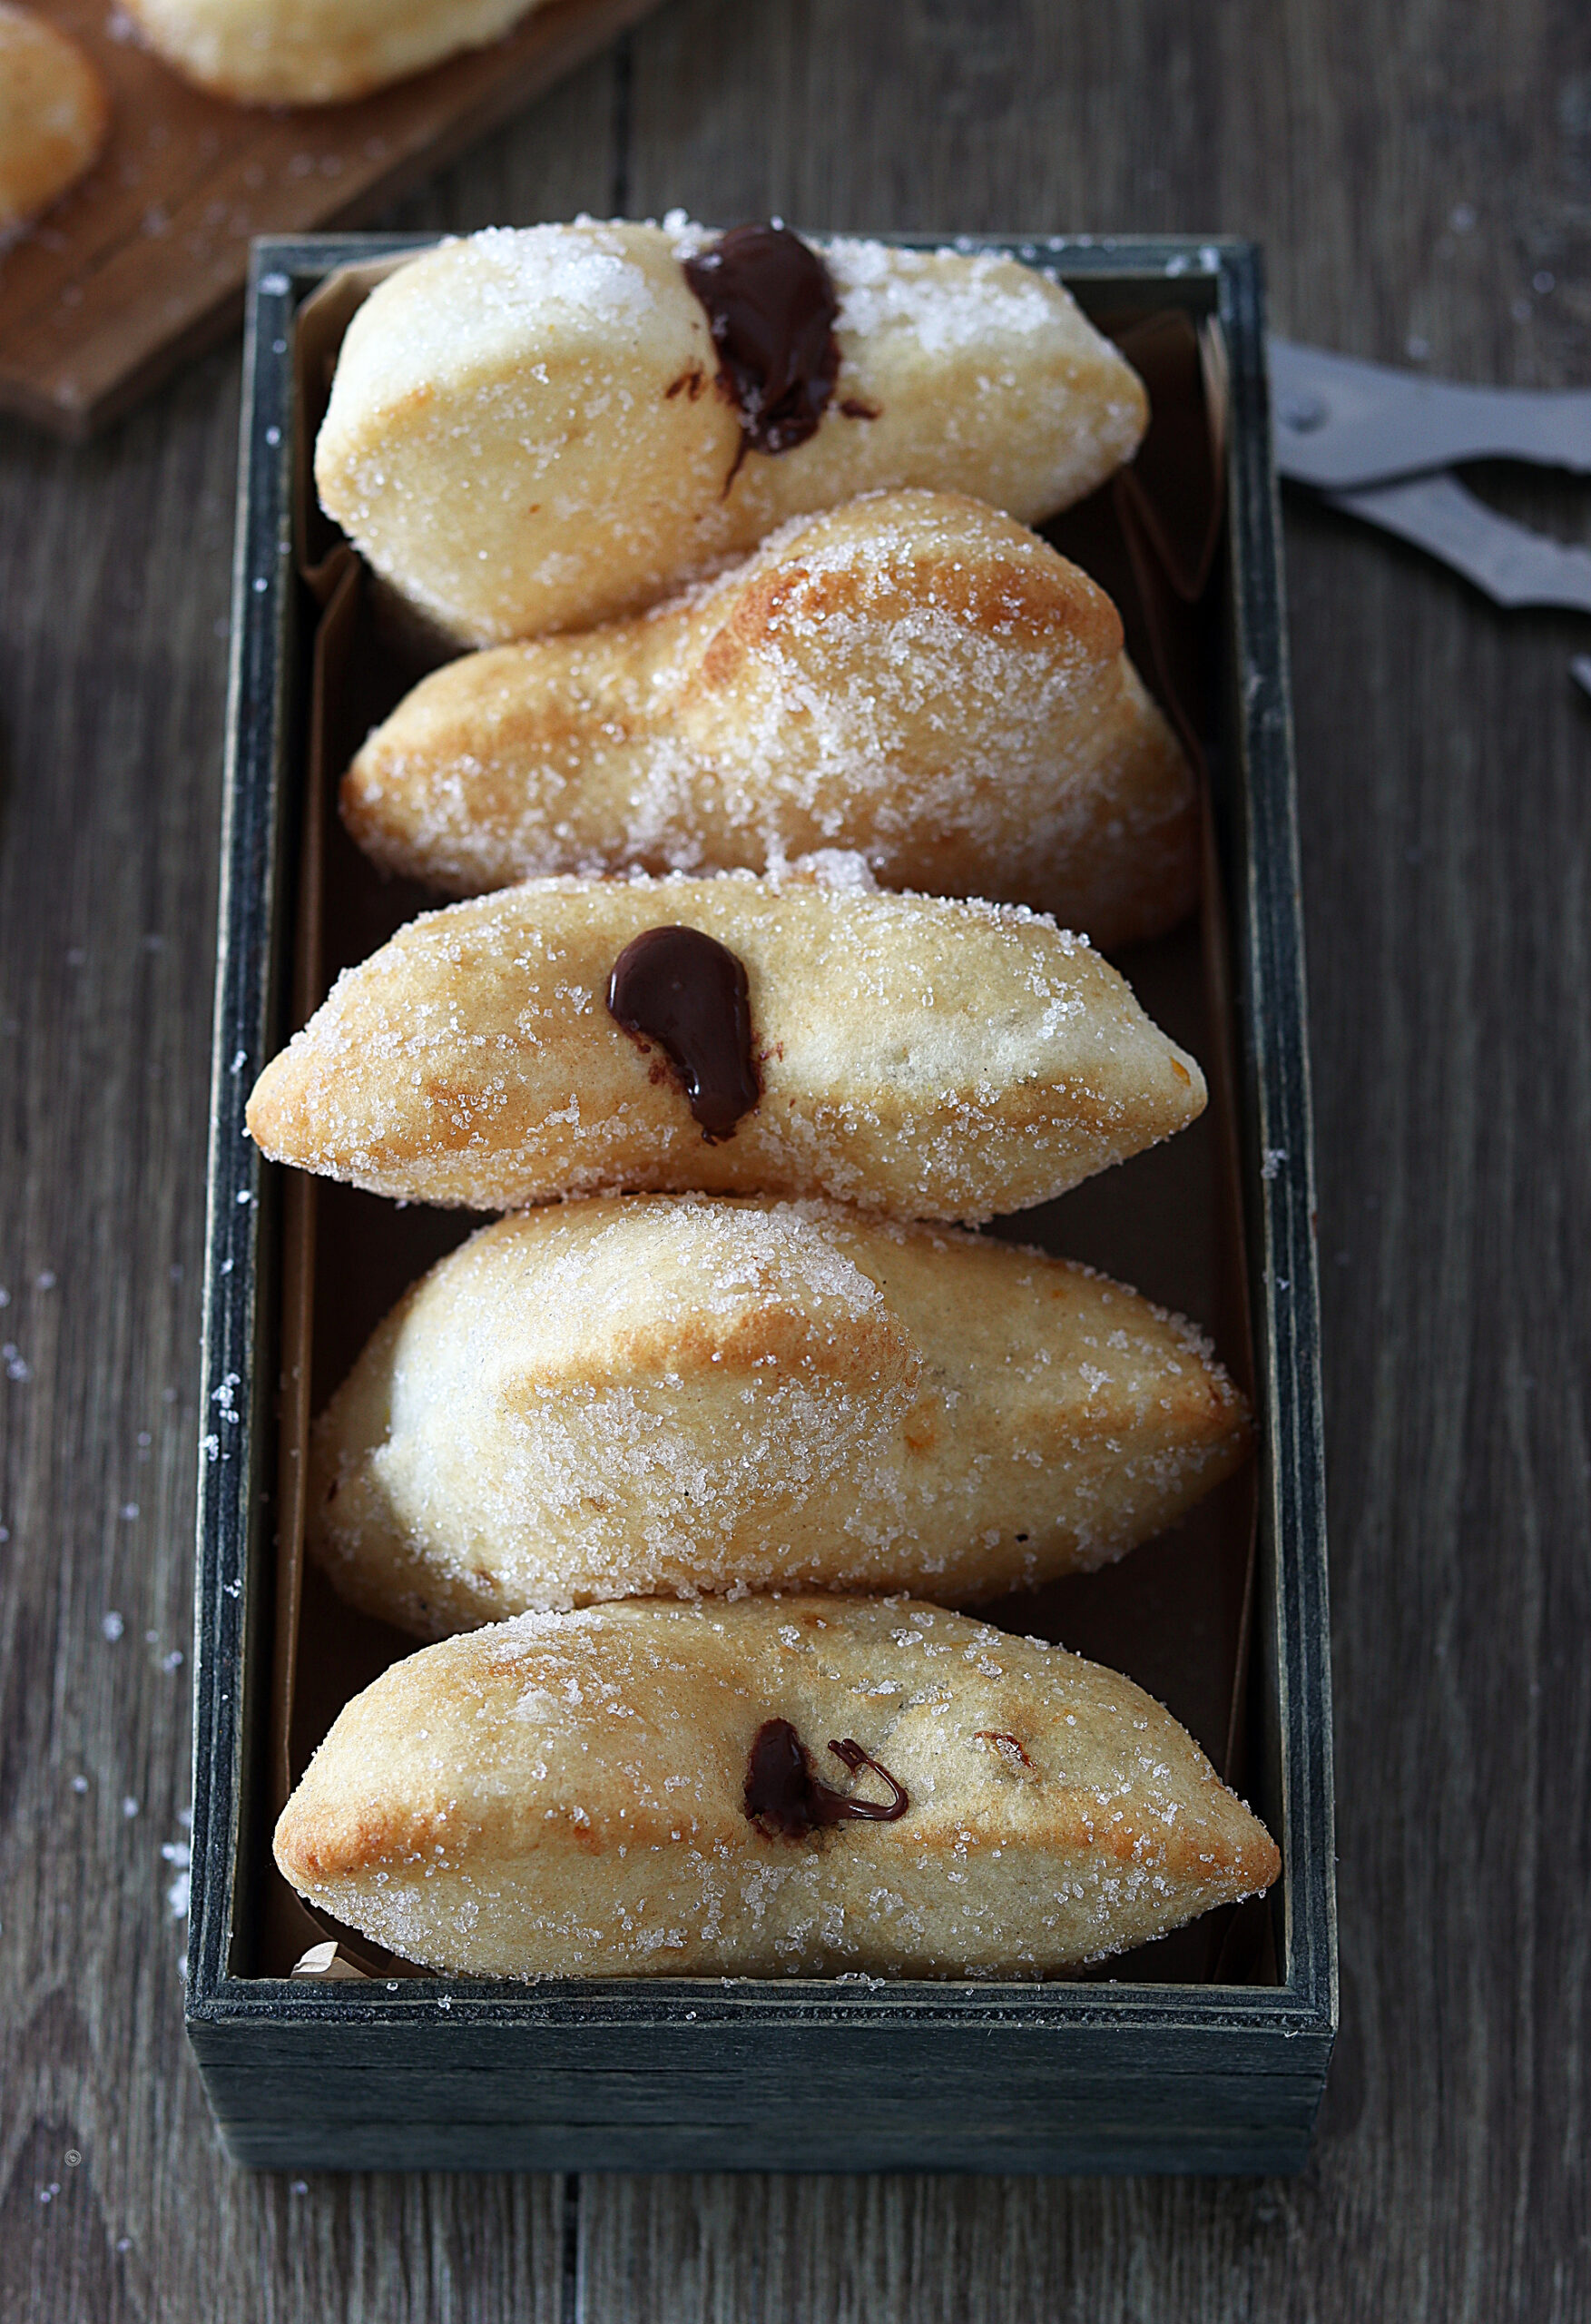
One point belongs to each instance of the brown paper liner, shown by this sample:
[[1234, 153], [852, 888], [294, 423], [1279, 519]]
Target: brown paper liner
[[1175, 1614]]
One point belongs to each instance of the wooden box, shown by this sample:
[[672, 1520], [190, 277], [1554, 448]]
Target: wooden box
[[1206, 2051]]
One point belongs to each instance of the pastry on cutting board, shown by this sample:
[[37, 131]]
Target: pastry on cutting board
[[542, 428], [314, 51], [923, 1056], [632, 1396], [913, 675], [55, 111], [804, 1785]]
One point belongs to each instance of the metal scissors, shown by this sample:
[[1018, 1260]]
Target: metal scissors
[[1379, 443]]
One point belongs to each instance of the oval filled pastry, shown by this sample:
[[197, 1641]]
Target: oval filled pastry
[[540, 428], [315, 51], [914, 677], [794, 1787], [917, 1056], [629, 1397], [54, 112]]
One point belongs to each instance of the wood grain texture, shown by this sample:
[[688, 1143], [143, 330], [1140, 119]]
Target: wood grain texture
[[144, 259], [1411, 177], [114, 582]]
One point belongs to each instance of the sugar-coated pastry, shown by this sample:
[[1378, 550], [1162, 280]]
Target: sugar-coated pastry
[[534, 431], [926, 1058], [914, 675], [652, 1789], [315, 51], [53, 114], [670, 1392]]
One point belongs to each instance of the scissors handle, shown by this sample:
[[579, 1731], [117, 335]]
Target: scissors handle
[[1513, 565], [1338, 423]]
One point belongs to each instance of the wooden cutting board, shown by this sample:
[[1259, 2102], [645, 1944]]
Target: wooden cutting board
[[143, 262]]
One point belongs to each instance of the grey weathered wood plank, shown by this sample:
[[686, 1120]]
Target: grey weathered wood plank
[[1445, 763], [114, 582], [1410, 187]]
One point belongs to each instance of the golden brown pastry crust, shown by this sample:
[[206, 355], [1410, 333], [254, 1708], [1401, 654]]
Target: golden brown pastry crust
[[924, 1058], [915, 676], [564, 1795], [524, 432], [627, 1397], [315, 51], [55, 111]]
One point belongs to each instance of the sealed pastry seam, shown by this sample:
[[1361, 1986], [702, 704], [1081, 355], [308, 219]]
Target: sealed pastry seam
[[723, 1355], [507, 443], [619, 1398], [567, 1794], [919, 1057], [914, 677]]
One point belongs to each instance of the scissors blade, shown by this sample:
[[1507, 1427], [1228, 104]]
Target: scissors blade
[[1338, 423], [1514, 566]]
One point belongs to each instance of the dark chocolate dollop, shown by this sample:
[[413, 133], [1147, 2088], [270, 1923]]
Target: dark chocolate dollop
[[771, 308], [785, 1798], [688, 992]]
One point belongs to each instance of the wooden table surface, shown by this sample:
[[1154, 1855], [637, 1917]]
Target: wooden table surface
[[1422, 179]]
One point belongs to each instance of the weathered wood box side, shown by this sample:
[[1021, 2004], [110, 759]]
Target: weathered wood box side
[[1067, 2076]]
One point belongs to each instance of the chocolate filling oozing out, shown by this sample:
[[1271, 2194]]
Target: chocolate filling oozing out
[[688, 992], [785, 1799], [772, 309]]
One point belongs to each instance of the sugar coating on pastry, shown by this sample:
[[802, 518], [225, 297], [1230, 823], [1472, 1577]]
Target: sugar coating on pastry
[[527, 433], [315, 51], [632, 1396], [915, 676], [926, 1058], [53, 114], [566, 1795]]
